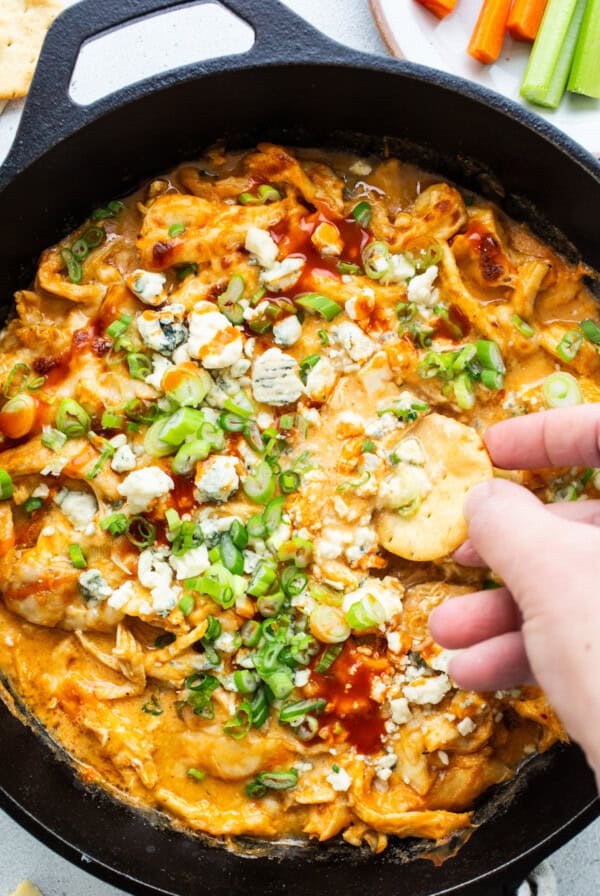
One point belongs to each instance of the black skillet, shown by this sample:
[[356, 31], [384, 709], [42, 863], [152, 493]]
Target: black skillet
[[297, 86]]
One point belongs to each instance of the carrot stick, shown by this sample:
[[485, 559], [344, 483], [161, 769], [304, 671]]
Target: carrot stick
[[440, 8], [525, 18], [488, 36]]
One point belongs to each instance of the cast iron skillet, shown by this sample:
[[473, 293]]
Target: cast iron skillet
[[294, 85]]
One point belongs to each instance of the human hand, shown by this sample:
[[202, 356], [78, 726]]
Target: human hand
[[544, 625]]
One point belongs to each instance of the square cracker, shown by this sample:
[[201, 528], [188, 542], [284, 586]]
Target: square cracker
[[23, 26]]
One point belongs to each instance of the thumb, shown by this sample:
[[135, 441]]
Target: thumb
[[523, 543]]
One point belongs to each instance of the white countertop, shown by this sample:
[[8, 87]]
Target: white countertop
[[577, 865]]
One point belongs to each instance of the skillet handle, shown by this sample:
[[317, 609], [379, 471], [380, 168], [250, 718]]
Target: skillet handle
[[50, 115]]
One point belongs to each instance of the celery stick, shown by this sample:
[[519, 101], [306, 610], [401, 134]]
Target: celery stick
[[539, 84], [585, 73], [558, 81]]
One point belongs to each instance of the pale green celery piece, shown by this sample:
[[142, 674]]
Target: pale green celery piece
[[548, 68], [585, 71]]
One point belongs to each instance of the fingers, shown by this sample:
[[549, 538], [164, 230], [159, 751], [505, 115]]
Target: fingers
[[576, 511], [512, 531], [495, 664], [562, 437], [466, 620]]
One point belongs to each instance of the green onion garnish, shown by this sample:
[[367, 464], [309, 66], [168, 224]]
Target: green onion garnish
[[319, 304], [186, 604], [259, 487], [74, 269], [231, 556], [77, 557], [328, 658], [239, 726], [176, 229], [568, 347], [6, 486], [114, 524], [376, 260], [196, 774], [262, 579], [522, 326], [368, 446], [294, 711], [561, 390], [118, 327], [251, 633], [268, 193], [188, 456], [17, 379], [591, 331], [346, 267], [245, 681], [71, 419], [152, 707], [323, 336], [140, 532], [31, 505], [289, 481], [113, 208], [140, 365], [366, 613], [464, 394], [362, 213], [110, 420]]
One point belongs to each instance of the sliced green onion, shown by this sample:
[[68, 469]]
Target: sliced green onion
[[183, 423], [140, 532], [259, 487], [367, 447], [297, 549], [561, 390], [229, 301], [551, 58], [188, 456], [114, 523], [280, 683], [19, 372], [231, 556], [153, 444], [94, 237], [196, 774], [31, 505], [218, 583], [108, 451], [329, 625], [72, 419], [176, 229], [362, 213], [489, 356], [256, 526], [251, 633], [272, 515], [239, 726], [186, 604], [591, 331], [113, 208], [152, 706], [585, 72], [186, 270], [246, 682], [522, 326], [140, 365], [213, 629], [262, 579], [260, 707], [366, 613], [323, 336], [191, 390], [109, 420], [293, 712], [77, 557], [238, 535], [289, 481], [328, 658], [293, 581], [376, 260], [268, 193], [464, 394], [201, 687], [568, 347], [492, 379], [346, 267], [189, 536], [248, 199], [319, 304], [36, 383], [269, 605], [6, 486], [74, 269]]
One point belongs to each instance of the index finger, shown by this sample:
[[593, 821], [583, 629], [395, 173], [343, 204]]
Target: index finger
[[558, 438]]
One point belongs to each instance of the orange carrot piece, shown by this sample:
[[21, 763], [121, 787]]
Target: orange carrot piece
[[440, 8], [525, 18], [488, 36]]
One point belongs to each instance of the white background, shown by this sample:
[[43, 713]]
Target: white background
[[577, 865]]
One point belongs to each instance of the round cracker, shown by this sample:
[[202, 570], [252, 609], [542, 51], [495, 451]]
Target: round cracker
[[456, 460]]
